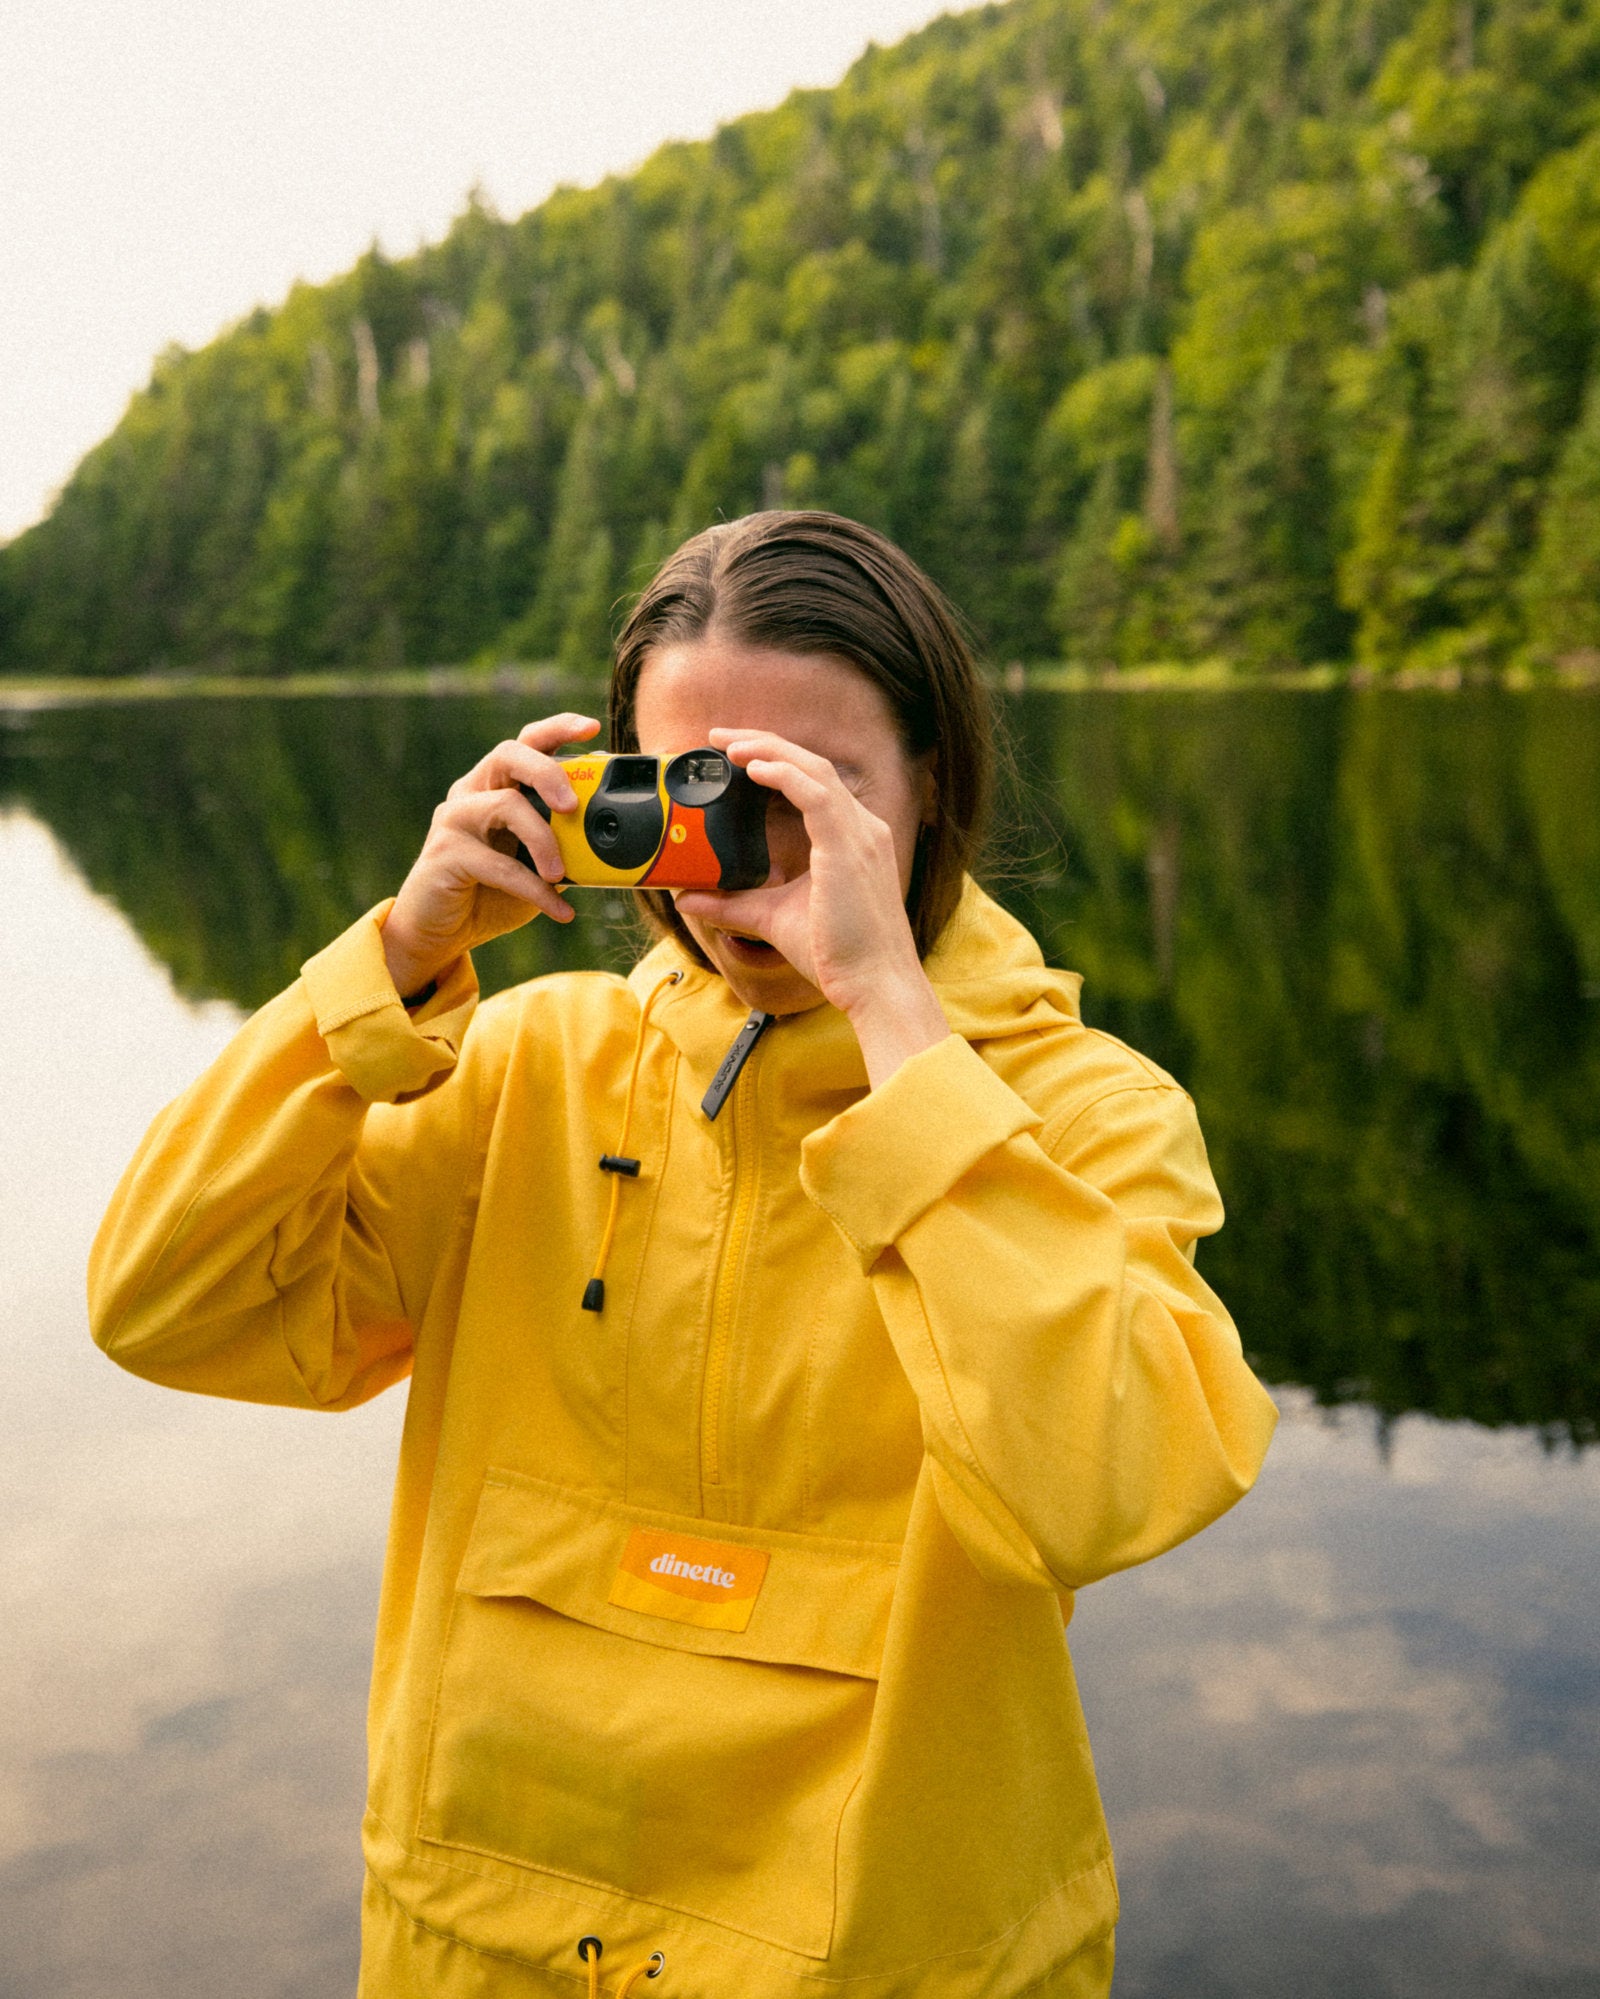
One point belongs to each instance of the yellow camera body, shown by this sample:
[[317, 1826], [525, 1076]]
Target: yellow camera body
[[691, 821]]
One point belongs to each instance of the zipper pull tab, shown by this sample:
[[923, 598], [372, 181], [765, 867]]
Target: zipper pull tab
[[728, 1070]]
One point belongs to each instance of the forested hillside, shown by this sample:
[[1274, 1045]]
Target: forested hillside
[[1158, 329]]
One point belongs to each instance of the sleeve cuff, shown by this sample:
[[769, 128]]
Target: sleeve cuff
[[386, 1054], [879, 1165]]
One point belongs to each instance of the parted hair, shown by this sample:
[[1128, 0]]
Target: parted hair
[[812, 582]]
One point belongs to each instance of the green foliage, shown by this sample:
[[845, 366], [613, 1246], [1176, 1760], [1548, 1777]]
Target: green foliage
[[1486, 382], [1178, 329]]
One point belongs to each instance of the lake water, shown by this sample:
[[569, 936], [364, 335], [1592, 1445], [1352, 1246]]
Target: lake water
[[1349, 1739]]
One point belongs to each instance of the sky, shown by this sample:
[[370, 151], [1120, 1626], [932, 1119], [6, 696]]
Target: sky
[[166, 165]]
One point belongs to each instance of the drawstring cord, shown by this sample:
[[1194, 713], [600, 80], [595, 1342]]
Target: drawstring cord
[[619, 1165], [589, 1949]]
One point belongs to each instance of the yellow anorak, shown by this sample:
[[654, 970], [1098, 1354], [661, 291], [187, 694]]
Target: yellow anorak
[[726, 1622]]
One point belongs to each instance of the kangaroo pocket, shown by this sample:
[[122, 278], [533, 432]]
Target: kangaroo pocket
[[669, 1708]]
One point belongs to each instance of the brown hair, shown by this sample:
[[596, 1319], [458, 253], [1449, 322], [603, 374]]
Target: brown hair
[[817, 583]]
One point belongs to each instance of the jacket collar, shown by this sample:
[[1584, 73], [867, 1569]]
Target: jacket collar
[[989, 973]]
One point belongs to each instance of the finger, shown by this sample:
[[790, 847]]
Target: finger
[[539, 737], [813, 785], [512, 811], [515, 763], [478, 814], [824, 807], [748, 911], [487, 865], [743, 744], [553, 730]]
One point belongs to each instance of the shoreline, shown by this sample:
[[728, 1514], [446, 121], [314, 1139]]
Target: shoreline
[[26, 696]]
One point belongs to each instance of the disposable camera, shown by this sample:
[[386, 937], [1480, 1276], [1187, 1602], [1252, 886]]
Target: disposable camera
[[690, 821]]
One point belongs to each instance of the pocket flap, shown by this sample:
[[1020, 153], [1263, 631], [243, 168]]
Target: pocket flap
[[791, 1599]]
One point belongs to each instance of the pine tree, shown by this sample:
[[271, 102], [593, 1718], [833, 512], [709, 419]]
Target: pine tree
[[586, 636], [1561, 592], [1091, 592], [571, 561], [1261, 585]]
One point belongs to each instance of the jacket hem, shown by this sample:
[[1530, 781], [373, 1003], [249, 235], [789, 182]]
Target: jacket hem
[[428, 1890]]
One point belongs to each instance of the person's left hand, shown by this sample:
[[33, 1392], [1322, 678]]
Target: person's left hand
[[842, 923]]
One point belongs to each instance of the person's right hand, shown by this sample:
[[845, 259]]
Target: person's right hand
[[466, 885]]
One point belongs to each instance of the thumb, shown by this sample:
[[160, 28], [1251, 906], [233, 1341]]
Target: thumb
[[749, 909]]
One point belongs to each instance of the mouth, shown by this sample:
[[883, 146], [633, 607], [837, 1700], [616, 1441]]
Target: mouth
[[748, 950]]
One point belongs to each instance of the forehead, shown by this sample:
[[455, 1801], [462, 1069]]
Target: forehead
[[817, 700]]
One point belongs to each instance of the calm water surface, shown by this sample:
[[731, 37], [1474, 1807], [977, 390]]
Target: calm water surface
[[1349, 1739]]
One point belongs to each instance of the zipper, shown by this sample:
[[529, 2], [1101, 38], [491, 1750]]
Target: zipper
[[722, 1302]]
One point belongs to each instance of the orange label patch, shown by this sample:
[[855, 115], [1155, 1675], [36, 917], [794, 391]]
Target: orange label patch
[[710, 1583]]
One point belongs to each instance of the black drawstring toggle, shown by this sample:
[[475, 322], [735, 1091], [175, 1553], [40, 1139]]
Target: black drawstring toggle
[[614, 1162], [728, 1068]]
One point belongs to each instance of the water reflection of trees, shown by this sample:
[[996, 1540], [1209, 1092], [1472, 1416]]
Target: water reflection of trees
[[1364, 930], [1385, 969], [239, 836]]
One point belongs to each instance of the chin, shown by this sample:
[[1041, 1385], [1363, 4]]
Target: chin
[[760, 976]]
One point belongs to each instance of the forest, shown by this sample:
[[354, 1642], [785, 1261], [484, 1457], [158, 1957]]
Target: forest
[[1247, 331]]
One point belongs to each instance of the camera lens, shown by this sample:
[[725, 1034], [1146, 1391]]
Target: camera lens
[[604, 826]]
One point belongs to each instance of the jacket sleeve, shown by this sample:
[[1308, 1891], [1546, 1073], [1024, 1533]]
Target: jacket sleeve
[[268, 1242], [1084, 1397]]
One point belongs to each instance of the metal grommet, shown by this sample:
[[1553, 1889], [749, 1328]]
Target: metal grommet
[[583, 1947], [658, 1964]]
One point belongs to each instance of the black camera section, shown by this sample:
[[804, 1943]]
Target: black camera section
[[736, 826], [624, 821]]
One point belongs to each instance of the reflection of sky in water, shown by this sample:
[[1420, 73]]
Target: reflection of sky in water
[[1349, 1739]]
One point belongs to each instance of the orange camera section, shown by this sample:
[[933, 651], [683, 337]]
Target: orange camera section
[[686, 858]]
